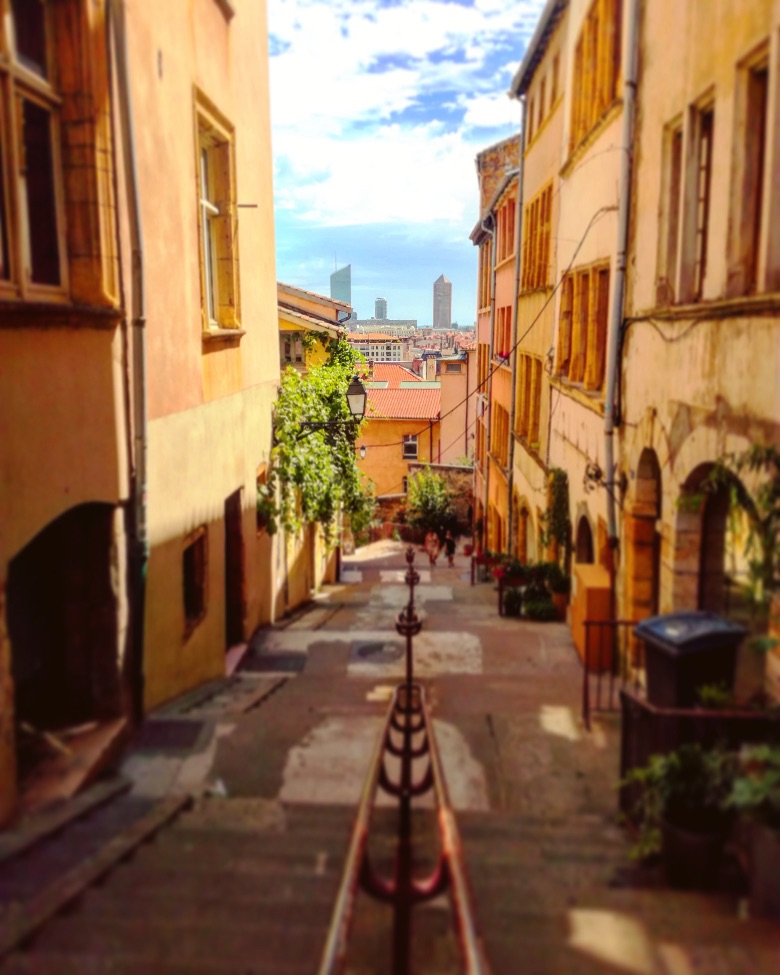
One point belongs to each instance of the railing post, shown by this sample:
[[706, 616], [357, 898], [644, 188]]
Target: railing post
[[408, 625]]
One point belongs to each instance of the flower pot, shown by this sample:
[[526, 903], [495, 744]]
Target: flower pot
[[560, 601], [692, 859], [764, 871]]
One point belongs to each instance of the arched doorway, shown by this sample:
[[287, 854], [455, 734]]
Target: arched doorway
[[583, 545], [63, 622], [712, 553]]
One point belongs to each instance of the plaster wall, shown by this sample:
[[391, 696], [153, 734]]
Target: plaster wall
[[176, 50], [197, 459], [384, 463], [674, 33], [455, 411]]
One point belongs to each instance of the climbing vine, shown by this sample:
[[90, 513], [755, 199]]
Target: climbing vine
[[313, 473]]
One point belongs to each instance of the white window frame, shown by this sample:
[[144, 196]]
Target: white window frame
[[409, 444]]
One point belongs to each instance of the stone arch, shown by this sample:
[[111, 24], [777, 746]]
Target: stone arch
[[706, 539], [584, 550]]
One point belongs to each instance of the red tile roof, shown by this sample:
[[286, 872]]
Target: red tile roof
[[404, 404], [393, 374]]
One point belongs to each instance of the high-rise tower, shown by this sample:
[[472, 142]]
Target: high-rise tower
[[341, 284], [442, 302], [380, 308]]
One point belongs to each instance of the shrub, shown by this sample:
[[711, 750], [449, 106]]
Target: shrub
[[541, 610]]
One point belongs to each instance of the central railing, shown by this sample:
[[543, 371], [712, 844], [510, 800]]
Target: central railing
[[408, 737]]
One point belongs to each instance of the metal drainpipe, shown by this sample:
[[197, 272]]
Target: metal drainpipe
[[139, 546], [515, 303], [491, 232], [616, 318]]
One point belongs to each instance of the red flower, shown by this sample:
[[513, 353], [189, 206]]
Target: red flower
[[499, 572]]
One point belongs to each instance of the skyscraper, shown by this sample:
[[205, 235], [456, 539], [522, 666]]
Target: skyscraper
[[380, 308], [442, 302], [341, 284]]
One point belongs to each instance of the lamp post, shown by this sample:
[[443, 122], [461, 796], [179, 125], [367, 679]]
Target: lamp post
[[356, 401]]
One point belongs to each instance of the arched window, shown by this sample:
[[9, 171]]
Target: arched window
[[583, 548]]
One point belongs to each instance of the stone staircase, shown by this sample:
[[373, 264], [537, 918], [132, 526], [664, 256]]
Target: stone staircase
[[230, 886], [551, 897]]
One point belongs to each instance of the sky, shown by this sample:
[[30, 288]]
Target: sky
[[378, 111]]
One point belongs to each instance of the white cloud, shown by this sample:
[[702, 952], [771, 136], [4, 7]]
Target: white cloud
[[343, 157]]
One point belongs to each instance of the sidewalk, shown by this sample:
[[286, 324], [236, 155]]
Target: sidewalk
[[275, 757]]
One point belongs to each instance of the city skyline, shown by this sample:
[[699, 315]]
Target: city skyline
[[375, 162]]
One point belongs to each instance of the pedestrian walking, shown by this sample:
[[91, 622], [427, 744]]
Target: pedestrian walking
[[449, 548], [432, 546]]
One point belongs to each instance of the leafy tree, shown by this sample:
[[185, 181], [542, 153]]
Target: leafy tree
[[313, 473], [429, 504]]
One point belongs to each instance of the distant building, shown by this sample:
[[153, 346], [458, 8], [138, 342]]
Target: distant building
[[341, 284], [377, 346], [380, 308], [442, 302], [399, 327]]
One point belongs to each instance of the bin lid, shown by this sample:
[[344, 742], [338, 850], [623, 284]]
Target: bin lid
[[690, 630]]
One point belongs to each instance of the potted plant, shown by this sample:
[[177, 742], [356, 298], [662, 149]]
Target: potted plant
[[681, 812], [540, 610], [513, 601], [559, 585], [756, 795]]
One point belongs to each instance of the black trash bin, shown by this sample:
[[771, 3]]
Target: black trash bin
[[686, 650]]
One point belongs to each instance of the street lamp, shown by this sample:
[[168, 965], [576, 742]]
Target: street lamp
[[356, 401]]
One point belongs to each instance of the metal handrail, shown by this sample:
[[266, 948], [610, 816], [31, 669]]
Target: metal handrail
[[617, 667], [409, 716], [403, 891]]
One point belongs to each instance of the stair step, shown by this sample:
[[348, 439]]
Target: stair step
[[75, 963], [181, 939]]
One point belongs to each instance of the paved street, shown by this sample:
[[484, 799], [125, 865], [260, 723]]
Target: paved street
[[243, 878]]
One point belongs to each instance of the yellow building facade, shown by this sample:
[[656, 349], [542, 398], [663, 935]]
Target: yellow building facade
[[139, 405]]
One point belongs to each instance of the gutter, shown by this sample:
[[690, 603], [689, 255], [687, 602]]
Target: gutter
[[515, 305], [616, 317], [139, 542]]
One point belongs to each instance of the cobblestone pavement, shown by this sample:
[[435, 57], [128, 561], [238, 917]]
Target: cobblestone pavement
[[276, 757]]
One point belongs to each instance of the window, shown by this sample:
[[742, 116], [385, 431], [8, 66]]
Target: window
[[582, 326], [530, 120], [502, 341], [749, 171], [499, 437], [564, 326], [291, 344], [483, 362], [542, 93], [410, 446], [529, 399], [596, 68], [217, 220], [556, 68], [698, 181], [536, 241], [31, 247], [485, 268], [405, 485], [670, 214], [452, 367], [194, 563], [505, 246]]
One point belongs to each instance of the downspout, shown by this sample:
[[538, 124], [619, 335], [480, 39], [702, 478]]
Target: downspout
[[139, 544], [515, 329], [616, 318], [489, 385]]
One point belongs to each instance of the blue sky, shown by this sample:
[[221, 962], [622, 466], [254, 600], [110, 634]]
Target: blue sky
[[378, 110]]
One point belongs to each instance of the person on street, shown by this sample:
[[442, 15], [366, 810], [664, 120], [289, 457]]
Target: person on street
[[449, 548], [432, 546]]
